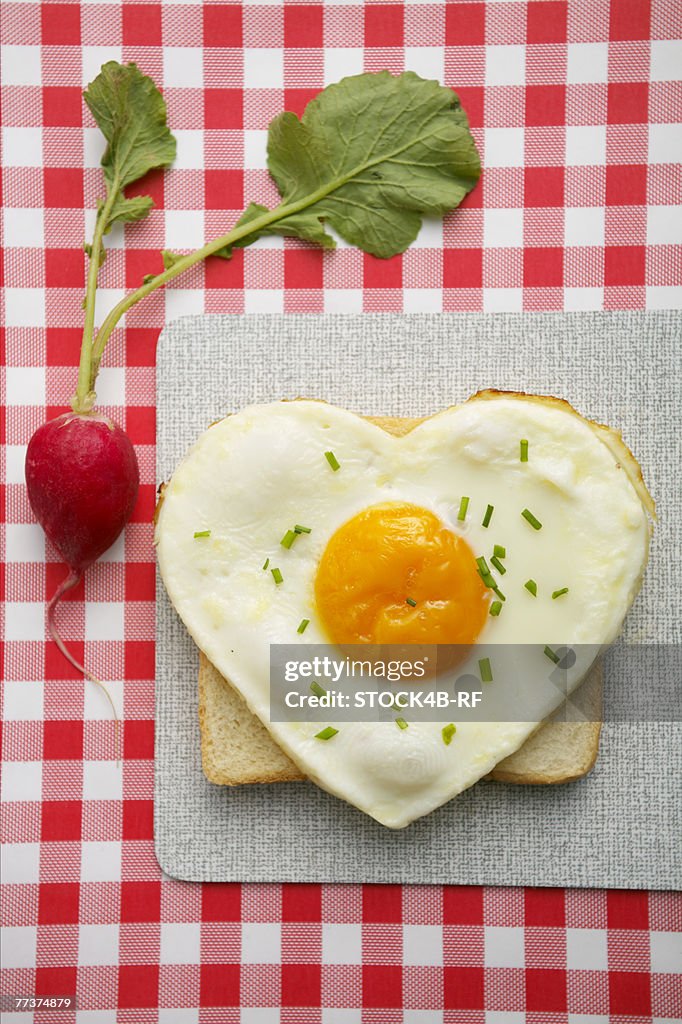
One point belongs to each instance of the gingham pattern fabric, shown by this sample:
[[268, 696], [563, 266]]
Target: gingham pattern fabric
[[576, 108]]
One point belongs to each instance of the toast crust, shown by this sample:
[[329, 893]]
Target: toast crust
[[237, 749]]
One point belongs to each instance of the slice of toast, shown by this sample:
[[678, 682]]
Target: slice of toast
[[237, 749]]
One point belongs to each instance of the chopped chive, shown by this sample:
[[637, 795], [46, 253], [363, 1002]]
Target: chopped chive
[[496, 590], [498, 565], [488, 516], [532, 587], [266, 563], [499, 551], [318, 690], [463, 506], [524, 451], [485, 670], [399, 701], [495, 608], [332, 460], [202, 533], [288, 539], [530, 518], [277, 576], [448, 731], [401, 723], [552, 655], [303, 625], [326, 734], [411, 601], [559, 593], [483, 566], [302, 529]]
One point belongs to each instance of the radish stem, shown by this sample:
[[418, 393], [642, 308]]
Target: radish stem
[[68, 583]]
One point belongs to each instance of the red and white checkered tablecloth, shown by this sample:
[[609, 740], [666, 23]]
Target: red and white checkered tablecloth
[[576, 107]]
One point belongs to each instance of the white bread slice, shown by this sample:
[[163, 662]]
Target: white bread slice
[[237, 749]]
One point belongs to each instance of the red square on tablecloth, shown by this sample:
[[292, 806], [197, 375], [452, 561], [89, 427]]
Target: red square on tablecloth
[[547, 21], [219, 985], [225, 273], [627, 908], [138, 986], [464, 988], [56, 981], [543, 267], [57, 666], [546, 990], [61, 820], [472, 98], [462, 904], [626, 184], [63, 187], [303, 268], [384, 24], [151, 185], [139, 659], [58, 902], [630, 992], [223, 108], [630, 19], [63, 740], [303, 26], [301, 902], [141, 424], [139, 263], [628, 102], [624, 264], [138, 740], [545, 907], [382, 904], [141, 346], [138, 819], [545, 105], [544, 186], [140, 901], [141, 24], [462, 268], [382, 986], [379, 273], [223, 25], [60, 24], [296, 100], [224, 190], [301, 984], [221, 901], [64, 268], [140, 581], [464, 24], [62, 106]]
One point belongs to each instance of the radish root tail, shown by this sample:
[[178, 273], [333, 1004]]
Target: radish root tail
[[67, 584]]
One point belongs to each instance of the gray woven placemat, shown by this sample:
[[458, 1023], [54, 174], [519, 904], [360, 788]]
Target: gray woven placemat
[[619, 827]]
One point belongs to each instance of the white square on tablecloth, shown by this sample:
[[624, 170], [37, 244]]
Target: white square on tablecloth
[[255, 149], [19, 862], [664, 225], [184, 229], [502, 300], [18, 947], [423, 945], [111, 385], [22, 147], [183, 66], [101, 862], [586, 949], [93, 150], [505, 65], [190, 148], [422, 300], [587, 62], [504, 947], [266, 300], [664, 297], [666, 952], [665, 144], [576, 299], [104, 620], [259, 1015], [666, 60], [22, 781], [340, 1016], [422, 1017], [341, 944], [23, 700], [503, 147], [504, 1017], [503, 229], [20, 65], [25, 620], [584, 225], [98, 945], [340, 62], [102, 780], [585, 145], [183, 302], [263, 68], [427, 61], [180, 943], [181, 1016], [261, 943], [343, 300], [25, 307], [93, 57], [24, 228], [24, 542]]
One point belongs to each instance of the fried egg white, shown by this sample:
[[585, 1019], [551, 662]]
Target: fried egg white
[[386, 523]]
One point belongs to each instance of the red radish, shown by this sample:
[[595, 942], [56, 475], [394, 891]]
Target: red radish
[[82, 479]]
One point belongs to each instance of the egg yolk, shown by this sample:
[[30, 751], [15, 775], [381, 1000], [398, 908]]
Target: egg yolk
[[394, 575]]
